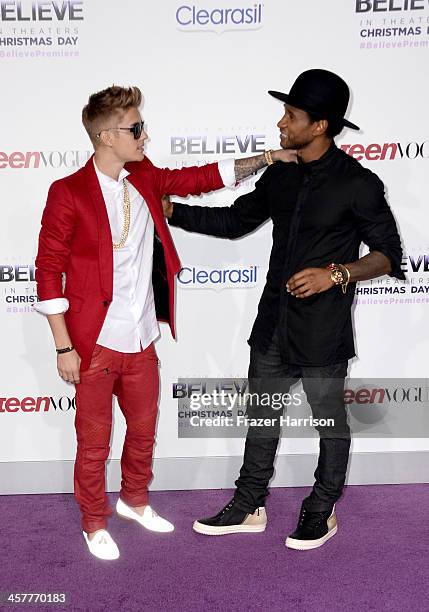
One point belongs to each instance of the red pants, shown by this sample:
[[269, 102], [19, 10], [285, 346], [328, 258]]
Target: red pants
[[134, 379]]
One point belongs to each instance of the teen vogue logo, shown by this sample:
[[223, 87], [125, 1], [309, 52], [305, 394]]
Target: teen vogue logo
[[380, 395], [18, 160], [191, 18], [37, 404], [388, 150]]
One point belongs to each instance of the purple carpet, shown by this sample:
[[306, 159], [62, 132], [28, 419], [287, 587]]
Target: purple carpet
[[378, 560]]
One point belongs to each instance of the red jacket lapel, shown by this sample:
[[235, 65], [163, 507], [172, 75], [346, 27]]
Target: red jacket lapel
[[142, 179], [105, 251]]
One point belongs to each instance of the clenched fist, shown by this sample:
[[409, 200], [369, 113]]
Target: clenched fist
[[167, 206], [68, 365]]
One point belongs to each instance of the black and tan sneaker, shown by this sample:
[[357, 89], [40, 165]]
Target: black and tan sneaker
[[313, 530], [232, 520]]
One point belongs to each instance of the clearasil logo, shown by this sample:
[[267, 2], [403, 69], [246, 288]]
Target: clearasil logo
[[190, 17], [218, 278]]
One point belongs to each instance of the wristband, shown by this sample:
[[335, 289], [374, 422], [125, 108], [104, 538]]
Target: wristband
[[67, 349]]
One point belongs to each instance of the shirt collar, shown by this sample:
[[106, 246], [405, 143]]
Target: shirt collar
[[108, 182], [323, 162]]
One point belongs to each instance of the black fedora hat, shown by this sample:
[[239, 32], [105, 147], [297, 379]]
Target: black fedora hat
[[320, 92]]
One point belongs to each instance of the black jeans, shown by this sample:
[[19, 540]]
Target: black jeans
[[324, 387]]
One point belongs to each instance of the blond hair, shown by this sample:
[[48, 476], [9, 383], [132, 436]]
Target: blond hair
[[103, 105]]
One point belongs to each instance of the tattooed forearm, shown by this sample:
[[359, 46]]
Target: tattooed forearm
[[245, 167], [250, 165]]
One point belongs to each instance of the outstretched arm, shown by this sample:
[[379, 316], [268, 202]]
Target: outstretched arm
[[195, 180], [246, 214]]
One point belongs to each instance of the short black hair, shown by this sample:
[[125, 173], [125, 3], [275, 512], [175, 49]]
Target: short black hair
[[335, 126]]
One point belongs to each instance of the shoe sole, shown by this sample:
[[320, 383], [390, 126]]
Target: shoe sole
[[103, 558], [214, 531], [310, 544]]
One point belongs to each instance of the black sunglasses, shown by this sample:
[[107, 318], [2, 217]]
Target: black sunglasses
[[136, 129]]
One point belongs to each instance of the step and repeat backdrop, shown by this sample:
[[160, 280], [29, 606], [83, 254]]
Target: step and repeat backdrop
[[204, 67]]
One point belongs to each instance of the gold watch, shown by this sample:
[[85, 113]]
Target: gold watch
[[340, 275]]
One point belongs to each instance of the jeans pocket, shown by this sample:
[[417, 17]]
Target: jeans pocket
[[100, 366], [151, 354], [97, 350]]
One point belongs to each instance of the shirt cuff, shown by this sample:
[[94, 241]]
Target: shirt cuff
[[176, 217], [227, 172], [50, 307]]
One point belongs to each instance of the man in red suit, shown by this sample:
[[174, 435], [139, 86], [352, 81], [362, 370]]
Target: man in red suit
[[103, 227]]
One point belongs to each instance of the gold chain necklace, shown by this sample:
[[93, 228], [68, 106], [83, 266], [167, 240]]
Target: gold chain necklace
[[126, 228]]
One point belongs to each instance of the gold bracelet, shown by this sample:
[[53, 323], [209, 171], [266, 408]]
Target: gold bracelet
[[268, 158], [344, 285], [340, 275]]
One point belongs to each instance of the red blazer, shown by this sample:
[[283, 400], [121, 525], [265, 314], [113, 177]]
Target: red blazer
[[75, 239]]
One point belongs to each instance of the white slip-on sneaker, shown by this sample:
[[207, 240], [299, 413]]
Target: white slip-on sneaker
[[149, 519], [102, 545]]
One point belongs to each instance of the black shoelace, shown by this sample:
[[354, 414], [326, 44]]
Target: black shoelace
[[311, 519], [228, 506]]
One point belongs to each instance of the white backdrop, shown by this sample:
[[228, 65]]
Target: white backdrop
[[205, 68]]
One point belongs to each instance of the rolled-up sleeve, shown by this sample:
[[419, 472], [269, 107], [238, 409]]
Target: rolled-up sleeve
[[227, 172], [375, 221], [50, 307]]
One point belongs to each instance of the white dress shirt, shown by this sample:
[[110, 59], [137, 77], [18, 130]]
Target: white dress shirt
[[131, 317]]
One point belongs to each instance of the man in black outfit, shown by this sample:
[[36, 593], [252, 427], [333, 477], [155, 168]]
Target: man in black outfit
[[322, 208]]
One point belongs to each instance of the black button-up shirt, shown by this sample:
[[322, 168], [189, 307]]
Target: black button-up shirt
[[321, 211]]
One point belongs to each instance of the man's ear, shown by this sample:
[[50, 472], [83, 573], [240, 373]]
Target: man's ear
[[320, 127], [105, 138]]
